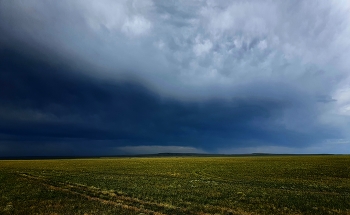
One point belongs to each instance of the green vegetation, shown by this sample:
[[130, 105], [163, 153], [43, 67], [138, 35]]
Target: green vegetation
[[183, 185]]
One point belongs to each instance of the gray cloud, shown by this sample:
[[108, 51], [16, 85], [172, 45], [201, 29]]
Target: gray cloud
[[290, 53], [216, 47]]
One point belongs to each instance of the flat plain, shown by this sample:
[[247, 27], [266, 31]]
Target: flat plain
[[177, 185]]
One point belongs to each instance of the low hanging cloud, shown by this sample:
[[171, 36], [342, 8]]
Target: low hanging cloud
[[157, 149], [335, 146], [201, 74]]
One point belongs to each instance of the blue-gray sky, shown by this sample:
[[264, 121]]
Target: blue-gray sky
[[81, 77]]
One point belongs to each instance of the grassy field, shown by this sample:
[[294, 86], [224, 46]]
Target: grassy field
[[183, 185]]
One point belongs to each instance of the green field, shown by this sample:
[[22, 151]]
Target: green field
[[177, 185]]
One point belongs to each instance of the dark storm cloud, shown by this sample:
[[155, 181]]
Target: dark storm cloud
[[42, 103]]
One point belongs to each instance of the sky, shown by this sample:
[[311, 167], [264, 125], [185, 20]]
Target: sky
[[107, 77]]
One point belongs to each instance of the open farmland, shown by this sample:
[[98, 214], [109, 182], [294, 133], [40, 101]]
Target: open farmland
[[177, 185]]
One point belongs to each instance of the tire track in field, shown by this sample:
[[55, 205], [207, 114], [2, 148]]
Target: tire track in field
[[92, 194], [124, 202]]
